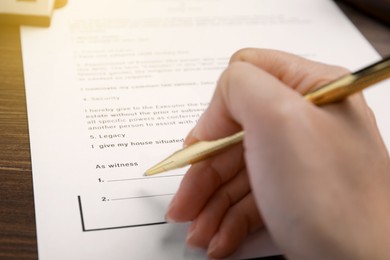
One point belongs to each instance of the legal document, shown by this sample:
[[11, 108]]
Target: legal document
[[114, 86]]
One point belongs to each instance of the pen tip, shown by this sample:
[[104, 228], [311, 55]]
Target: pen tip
[[153, 170]]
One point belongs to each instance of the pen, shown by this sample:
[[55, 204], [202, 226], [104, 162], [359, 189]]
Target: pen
[[334, 91]]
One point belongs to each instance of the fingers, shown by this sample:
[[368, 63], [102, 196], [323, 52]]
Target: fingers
[[242, 88], [237, 93], [200, 183], [209, 219], [299, 73], [241, 219]]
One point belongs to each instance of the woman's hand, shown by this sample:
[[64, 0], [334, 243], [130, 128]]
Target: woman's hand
[[316, 177]]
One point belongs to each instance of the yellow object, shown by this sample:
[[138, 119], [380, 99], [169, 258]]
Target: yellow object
[[29, 12]]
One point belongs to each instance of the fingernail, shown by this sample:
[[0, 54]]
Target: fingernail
[[168, 217], [191, 232], [189, 238], [213, 246], [194, 249]]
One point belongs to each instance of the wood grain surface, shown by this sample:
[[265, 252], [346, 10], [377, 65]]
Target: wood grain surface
[[17, 221]]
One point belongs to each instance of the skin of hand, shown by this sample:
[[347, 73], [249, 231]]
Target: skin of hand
[[317, 178]]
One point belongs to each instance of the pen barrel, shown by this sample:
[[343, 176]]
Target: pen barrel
[[204, 149], [194, 153], [341, 88]]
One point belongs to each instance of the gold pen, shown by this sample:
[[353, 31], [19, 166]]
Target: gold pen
[[334, 91]]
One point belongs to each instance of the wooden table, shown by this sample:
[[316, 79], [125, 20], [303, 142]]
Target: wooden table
[[17, 219]]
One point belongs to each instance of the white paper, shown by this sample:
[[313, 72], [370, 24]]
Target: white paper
[[114, 86]]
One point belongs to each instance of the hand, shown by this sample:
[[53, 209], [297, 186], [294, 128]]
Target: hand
[[317, 177]]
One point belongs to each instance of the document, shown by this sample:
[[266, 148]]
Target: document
[[114, 86]]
